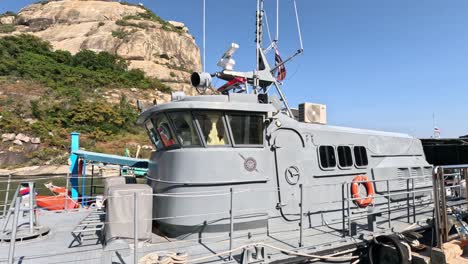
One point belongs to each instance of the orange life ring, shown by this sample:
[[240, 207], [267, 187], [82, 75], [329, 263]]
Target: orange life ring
[[362, 201]]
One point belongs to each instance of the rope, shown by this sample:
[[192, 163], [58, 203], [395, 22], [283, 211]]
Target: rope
[[173, 258]]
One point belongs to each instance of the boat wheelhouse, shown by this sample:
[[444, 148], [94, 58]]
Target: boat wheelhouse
[[213, 144]]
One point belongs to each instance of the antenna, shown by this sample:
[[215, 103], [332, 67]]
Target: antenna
[[262, 77], [204, 37], [298, 25], [277, 20]]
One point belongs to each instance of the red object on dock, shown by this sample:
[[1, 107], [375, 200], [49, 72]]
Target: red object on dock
[[55, 203]]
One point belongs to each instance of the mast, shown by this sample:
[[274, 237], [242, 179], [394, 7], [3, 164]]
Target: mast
[[261, 78]]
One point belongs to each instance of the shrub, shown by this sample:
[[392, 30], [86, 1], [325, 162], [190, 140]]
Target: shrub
[[119, 34], [149, 15], [8, 13], [126, 23], [7, 28], [100, 24]]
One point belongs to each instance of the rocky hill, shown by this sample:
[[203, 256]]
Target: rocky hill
[[162, 49], [92, 53]]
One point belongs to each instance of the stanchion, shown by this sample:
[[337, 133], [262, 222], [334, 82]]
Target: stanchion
[[6, 195], [31, 207], [300, 215], [231, 223], [67, 178], [14, 226], [135, 227]]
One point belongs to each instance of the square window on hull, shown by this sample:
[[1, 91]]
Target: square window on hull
[[345, 159], [360, 156], [327, 157]]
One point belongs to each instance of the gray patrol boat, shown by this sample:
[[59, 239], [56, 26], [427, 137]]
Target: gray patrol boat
[[239, 176]]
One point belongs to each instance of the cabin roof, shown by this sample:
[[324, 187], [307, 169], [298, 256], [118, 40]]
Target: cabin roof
[[362, 131], [232, 102]]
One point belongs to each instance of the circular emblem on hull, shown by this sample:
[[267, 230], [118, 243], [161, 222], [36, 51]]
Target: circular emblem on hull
[[292, 175], [250, 164]]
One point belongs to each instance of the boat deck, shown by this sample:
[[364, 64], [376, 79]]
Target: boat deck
[[60, 246]]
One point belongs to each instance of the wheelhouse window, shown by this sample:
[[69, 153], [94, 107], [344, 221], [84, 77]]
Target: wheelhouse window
[[247, 129], [345, 159], [185, 129], [360, 156], [327, 157], [163, 128], [212, 127], [152, 134]]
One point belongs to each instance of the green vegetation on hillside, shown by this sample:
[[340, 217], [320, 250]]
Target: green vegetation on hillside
[[71, 98], [146, 15], [8, 13], [29, 57], [6, 28]]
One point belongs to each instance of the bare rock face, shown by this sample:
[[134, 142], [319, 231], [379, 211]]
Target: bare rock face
[[22, 137], [7, 20], [8, 137], [161, 49]]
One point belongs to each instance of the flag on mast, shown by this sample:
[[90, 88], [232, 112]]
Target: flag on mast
[[281, 68], [436, 132]]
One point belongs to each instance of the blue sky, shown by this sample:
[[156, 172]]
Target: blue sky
[[385, 65]]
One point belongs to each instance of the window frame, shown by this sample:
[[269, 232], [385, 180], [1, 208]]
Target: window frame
[[320, 159], [245, 113], [154, 139], [355, 160], [202, 137], [351, 155], [194, 123], [177, 145]]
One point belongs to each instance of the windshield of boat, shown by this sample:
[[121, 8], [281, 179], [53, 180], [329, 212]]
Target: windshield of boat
[[206, 129], [185, 129], [164, 131], [152, 134], [212, 127], [247, 129]]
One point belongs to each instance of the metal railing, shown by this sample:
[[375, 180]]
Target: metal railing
[[442, 201], [349, 211]]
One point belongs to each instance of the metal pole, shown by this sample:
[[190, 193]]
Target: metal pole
[[414, 201], [92, 182], [231, 222], [283, 98], [6, 195], [31, 207], [11, 251], [83, 185], [66, 192], [300, 213], [407, 201], [298, 26], [388, 205], [349, 209], [204, 35], [9, 212], [343, 216], [443, 206], [435, 186], [135, 227]]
